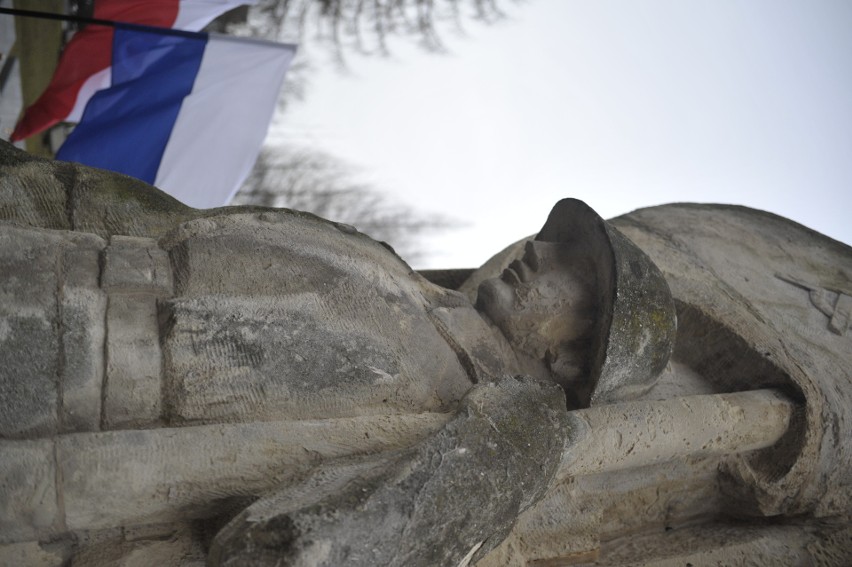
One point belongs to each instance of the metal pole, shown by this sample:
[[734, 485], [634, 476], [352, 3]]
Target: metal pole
[[96, 21]]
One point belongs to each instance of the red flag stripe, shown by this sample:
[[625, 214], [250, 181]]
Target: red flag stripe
[[88, 53]]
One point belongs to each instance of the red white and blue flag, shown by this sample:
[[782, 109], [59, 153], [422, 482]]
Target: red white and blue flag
[[185, 111], [84, 67]]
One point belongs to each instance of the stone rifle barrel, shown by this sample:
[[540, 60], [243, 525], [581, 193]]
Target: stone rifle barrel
[[634, 434]]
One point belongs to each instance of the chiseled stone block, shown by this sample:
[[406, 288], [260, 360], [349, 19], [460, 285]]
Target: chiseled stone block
[[28, 506], [135, 273], [136, 264], [29, 269], [83, 315], [51, 331], [132, 396]]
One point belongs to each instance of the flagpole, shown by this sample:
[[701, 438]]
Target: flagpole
[[96, 22]]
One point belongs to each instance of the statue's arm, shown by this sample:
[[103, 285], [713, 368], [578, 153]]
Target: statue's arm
[[450, 498]]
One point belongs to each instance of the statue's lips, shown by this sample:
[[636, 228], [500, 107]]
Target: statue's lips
[[495, 298], [511, 277]]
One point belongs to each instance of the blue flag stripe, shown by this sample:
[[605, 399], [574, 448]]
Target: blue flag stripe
[[152, 73]]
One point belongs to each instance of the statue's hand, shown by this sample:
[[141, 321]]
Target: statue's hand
[[450, 498]]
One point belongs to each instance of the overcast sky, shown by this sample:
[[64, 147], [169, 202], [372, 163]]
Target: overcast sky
[[621, 104]]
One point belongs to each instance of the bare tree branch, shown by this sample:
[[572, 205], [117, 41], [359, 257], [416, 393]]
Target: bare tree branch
[[343, 22], [311, 181]]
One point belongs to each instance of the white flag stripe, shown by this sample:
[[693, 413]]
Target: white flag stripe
[[223, 121], [93, 84]]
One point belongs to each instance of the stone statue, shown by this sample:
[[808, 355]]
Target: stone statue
[[246, 386]]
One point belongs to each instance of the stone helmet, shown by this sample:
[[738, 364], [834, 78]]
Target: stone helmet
[[634, 330]]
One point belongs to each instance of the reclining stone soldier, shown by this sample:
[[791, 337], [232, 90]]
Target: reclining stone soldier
[[253, 386]]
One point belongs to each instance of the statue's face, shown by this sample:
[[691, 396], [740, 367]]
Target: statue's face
[[544, 304]]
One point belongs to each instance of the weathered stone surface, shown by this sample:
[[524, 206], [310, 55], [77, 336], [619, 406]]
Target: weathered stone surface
[[279, 315], [564, 527], [51, 331], [743, 327], [35, 554], [456, 494], [30, 271], [29, 508], [731, 544], [36, 192], [157, 545], [127, 478], [132, 391], [136, 273], [133, 264], [83, 311], [635, 321], [756, 295], [630, 435], [615, 322]]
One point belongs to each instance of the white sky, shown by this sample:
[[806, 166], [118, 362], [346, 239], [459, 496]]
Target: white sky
[[622, 104]]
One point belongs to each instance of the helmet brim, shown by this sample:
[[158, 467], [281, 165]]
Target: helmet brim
[[634, 331]]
